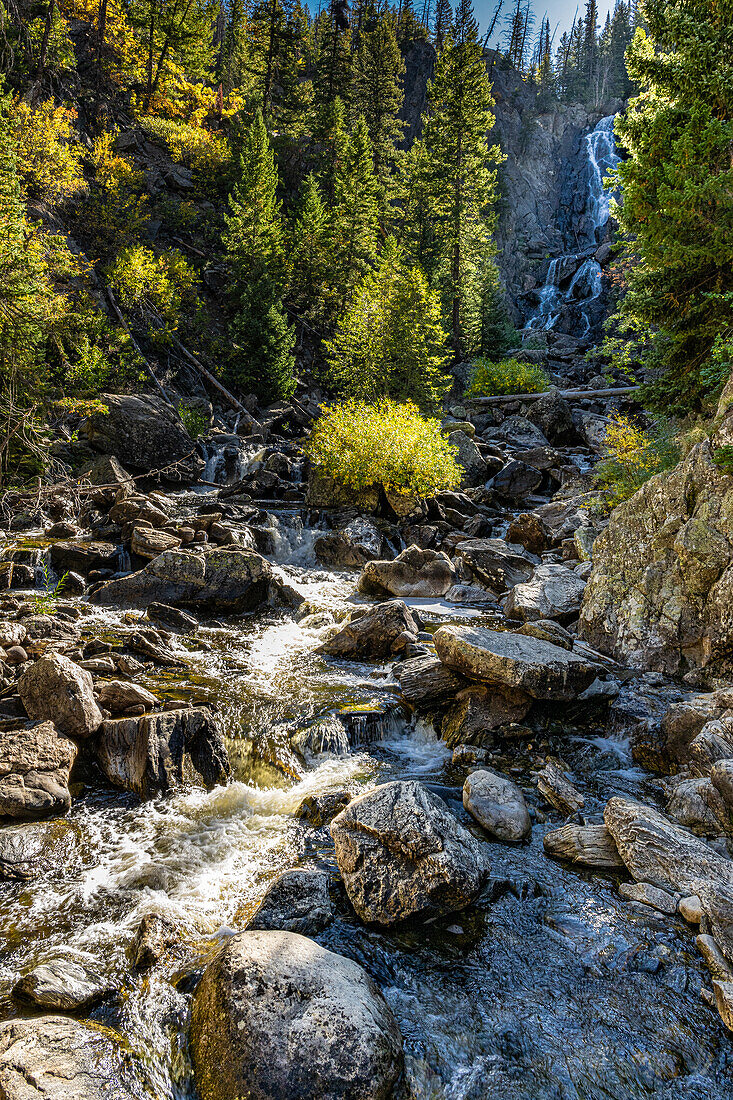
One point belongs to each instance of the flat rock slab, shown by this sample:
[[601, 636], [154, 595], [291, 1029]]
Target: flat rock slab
[[657, 851], [588, 845], [543, 670], [276, 1015], [35, 848], [61, 983]]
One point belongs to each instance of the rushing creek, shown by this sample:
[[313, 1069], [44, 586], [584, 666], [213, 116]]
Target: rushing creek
[[550, 987]]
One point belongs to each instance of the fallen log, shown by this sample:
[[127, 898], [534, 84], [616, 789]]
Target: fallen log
[[569, 395]]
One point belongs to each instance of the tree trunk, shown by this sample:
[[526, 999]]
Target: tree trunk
[[45, 40]]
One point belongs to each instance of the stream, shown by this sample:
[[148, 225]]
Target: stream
[[550, 986]]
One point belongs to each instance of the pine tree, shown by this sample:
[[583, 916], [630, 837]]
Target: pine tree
[[276, 62], [678, 197], [309, 263], [590, 51], [377, 95], [443, 23], [173, 32], [253, 235], [463, 183], [355, 218], [390, 342], [334, 144], [332, 75], [262, 359]]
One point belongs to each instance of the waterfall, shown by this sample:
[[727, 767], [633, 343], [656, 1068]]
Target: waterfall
[[227, 461], [586, 280]]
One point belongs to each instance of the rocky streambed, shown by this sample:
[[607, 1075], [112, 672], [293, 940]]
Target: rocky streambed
[[316, 799]]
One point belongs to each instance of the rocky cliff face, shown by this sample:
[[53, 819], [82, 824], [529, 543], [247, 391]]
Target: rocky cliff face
[[544, 181], [660, 595]]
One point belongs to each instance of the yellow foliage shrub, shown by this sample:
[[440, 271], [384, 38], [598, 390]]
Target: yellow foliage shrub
[[505, 377], [163, 281], [48, 154], [119, 207], [359, 445], [193, 146], [632, 454]]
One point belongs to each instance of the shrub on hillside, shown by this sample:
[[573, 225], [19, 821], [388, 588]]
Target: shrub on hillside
[[633, 454], [160, 281], [506, 376], [359, 445], [48, 155], [194, 146]]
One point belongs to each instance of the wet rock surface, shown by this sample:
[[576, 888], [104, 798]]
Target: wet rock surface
[[277, 1015], [35, 765], [403, 854]]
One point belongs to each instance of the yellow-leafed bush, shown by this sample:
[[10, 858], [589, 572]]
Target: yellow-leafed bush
[[119, 207], [47, 151], [507, 376], [193, 146], [633, 454], [359, 445], [163, 281]]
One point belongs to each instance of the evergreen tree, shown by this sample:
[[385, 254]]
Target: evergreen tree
[[173, 32], [390, 342], [443, 23], [309, 264], [377, 95], [678, 197], [458, 164], [332, 75], [262, 342], [355, 218], [276, 62], [333, 148], [589, 63]]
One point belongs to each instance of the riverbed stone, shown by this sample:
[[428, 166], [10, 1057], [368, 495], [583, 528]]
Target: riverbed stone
[[147, 543], [414, 572], [83, 557], [226, 580], [644, 892], [58, 1058], [35, 765], [350, 547], [295, 901], [155, 753], [401, 853], [61, 983], [155, 935], [495, 564], [36, 848], [278, 1017], [380, 632], [480, 710], [529, 531], [554, 592], [56, 689], [117, 696], [553, 416], [660, 852], [514, 661], [588, 845], [516, 480], [498, 805]]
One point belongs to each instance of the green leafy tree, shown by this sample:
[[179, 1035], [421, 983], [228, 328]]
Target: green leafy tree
[[460, 172], [677, 211], [391, 342]]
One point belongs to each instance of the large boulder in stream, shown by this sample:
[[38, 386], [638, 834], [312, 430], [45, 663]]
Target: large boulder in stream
[[278, 1017], [414, 572], [658, 851], [554, 592], [158, 752], [57, 1058], [660, 594], [34, 772], [497, 804], [495, 564], [224, 580], [56, 689], [379, 633], [515, 661], [146, 434], [36, 848], [402, 853]]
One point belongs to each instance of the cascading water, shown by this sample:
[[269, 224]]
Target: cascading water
[[572, 307]]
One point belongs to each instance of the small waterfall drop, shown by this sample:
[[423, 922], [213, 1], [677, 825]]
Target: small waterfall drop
[[569, 303]]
